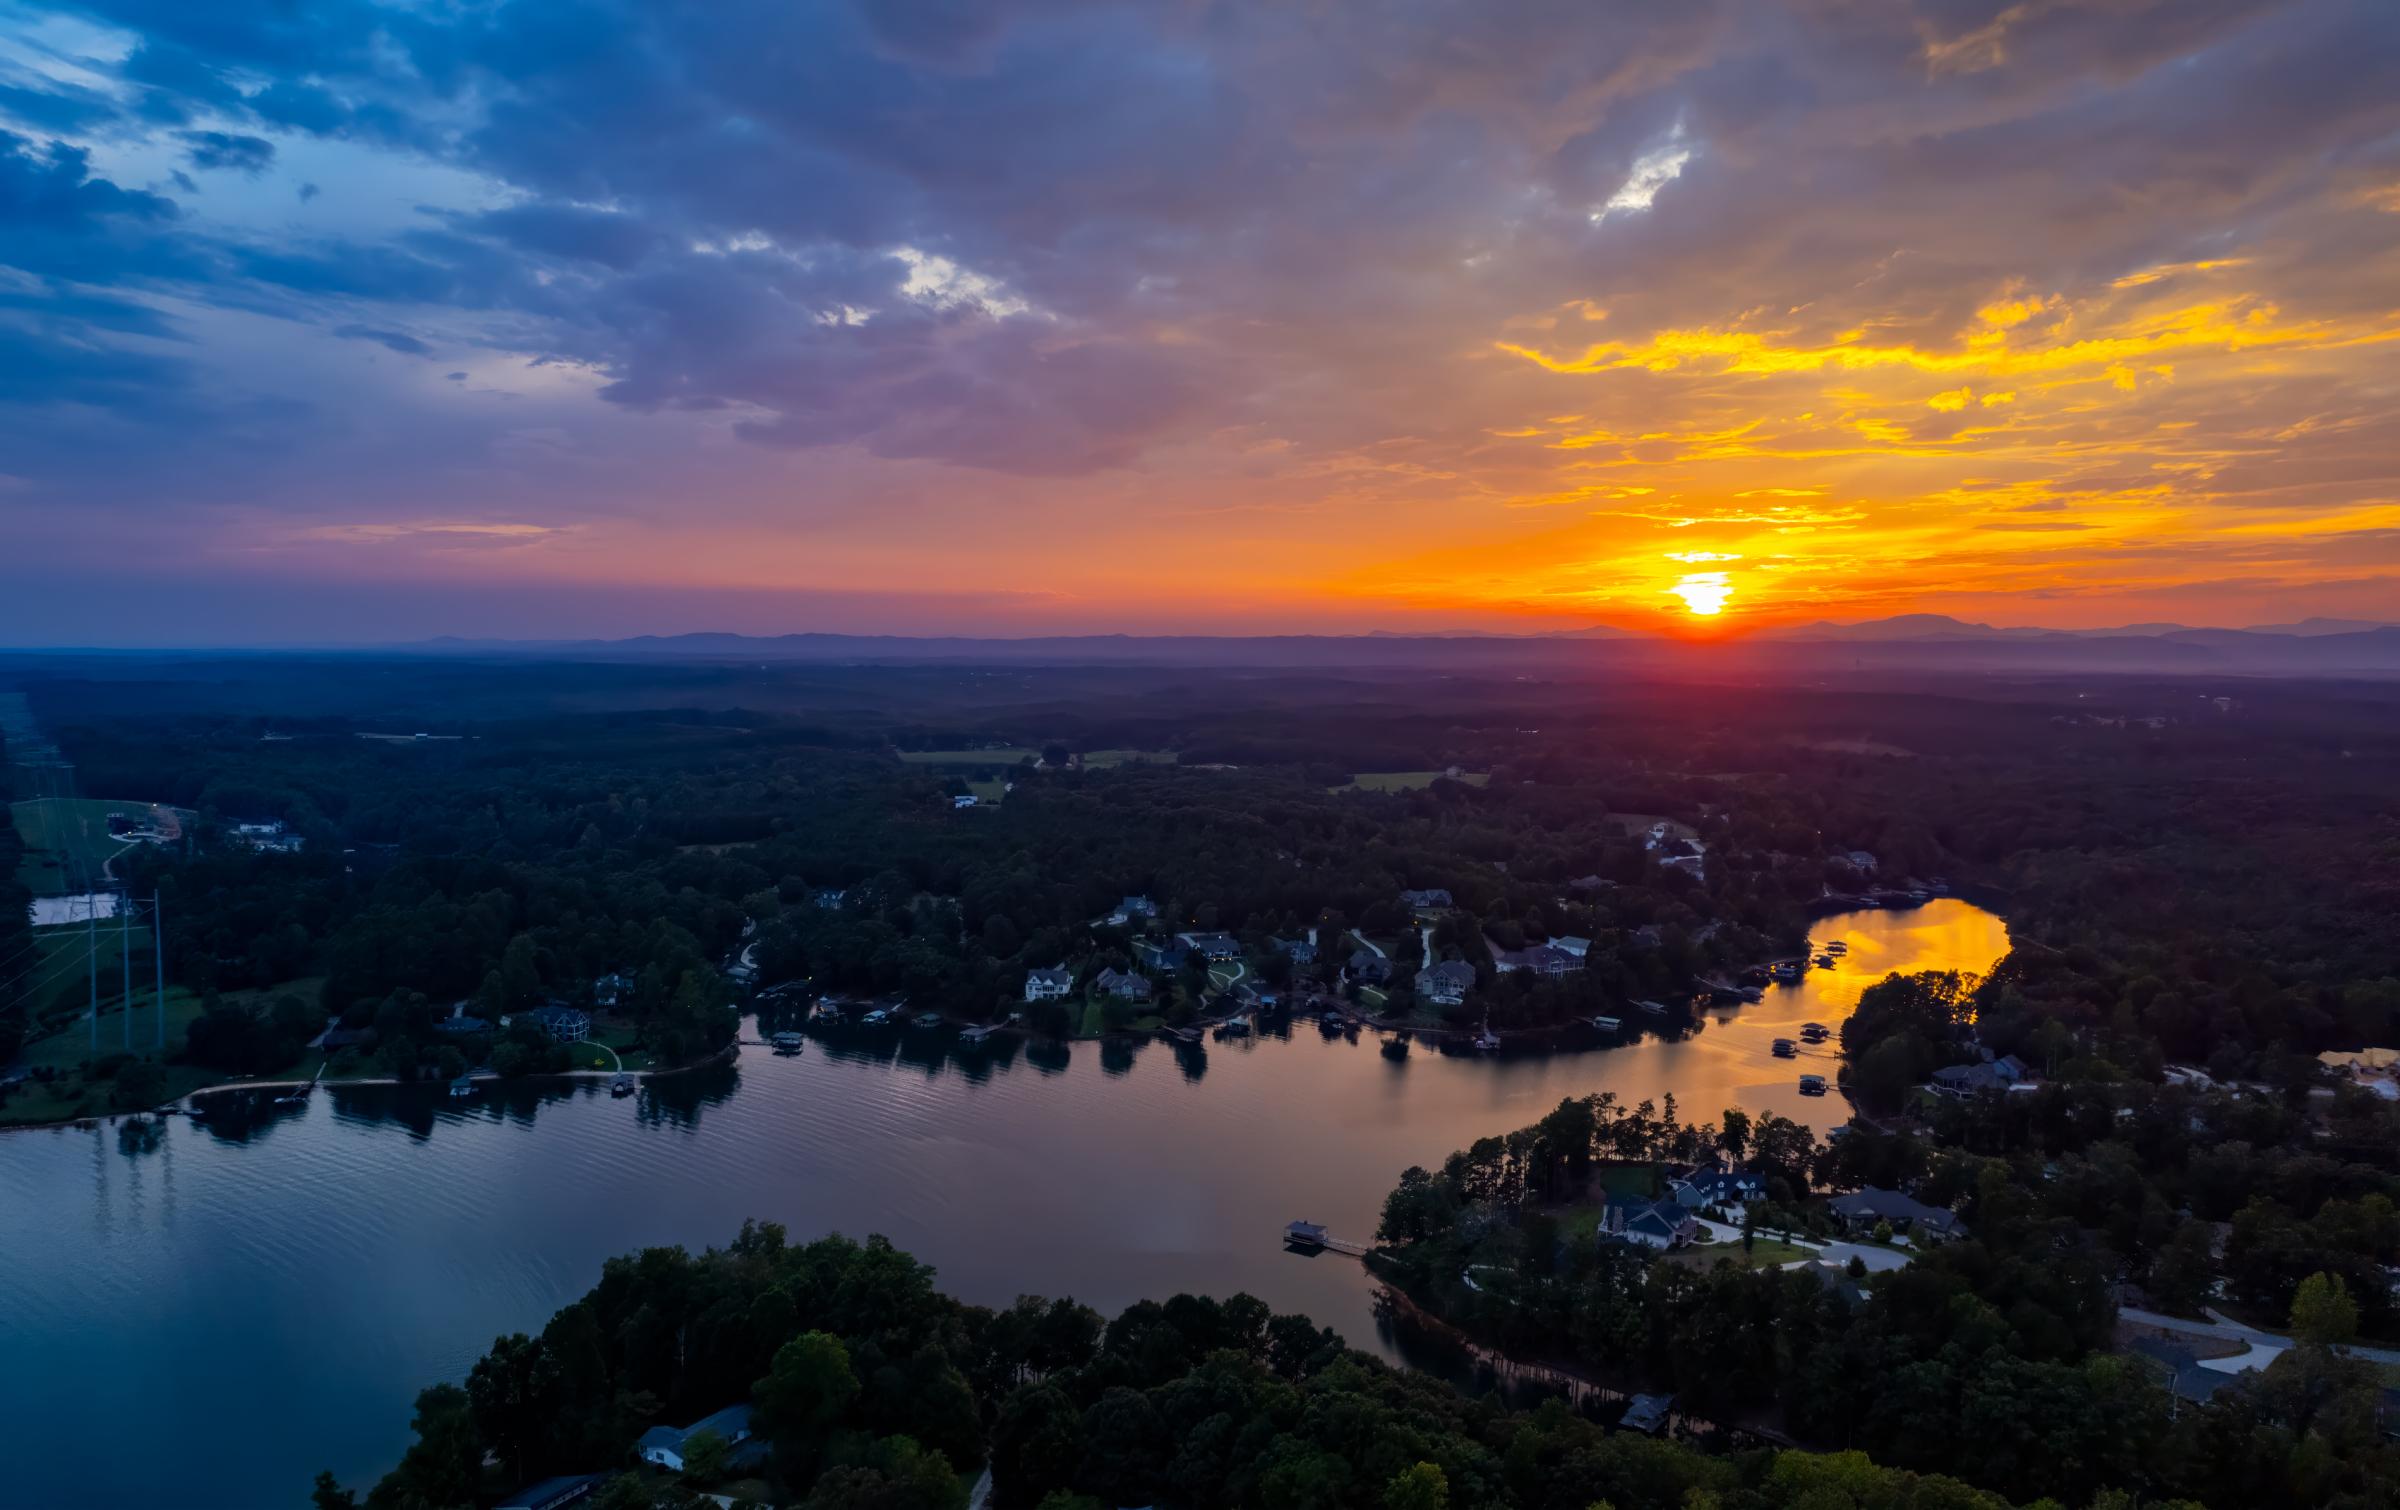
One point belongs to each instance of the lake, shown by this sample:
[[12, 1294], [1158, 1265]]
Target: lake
[[207, 1316]]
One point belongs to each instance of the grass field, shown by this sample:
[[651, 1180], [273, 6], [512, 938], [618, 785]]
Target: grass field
[[1095, 1019], [68, 1048], [1101, 760], [67, 841], [989, 793], [1765, 1253], [1405, 781], [1007, 755], [1227, 975]]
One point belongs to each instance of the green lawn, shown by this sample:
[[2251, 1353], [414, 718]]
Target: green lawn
[[67, 841], [1101, 760], [990, 792], [1766, 1253], [1405, 781], [1227, 975], [67, 1049], [1095, 1018], [1006, 755]]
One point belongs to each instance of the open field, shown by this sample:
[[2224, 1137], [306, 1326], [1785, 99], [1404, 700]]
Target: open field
[[67, 841], [1406, 781], [1006, 755], [989, 792], [67, 1049], [1100, 760]]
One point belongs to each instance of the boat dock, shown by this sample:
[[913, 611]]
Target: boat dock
[[1308, 1237]]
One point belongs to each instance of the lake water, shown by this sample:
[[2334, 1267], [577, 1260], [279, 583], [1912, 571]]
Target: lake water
[[207, 1317]]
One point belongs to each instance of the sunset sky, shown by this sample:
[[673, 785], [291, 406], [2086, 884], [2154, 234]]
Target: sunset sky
[[356, 321]]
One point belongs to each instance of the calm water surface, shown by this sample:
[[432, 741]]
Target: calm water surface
[[208, 1320]]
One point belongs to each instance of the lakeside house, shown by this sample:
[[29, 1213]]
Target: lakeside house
[[1124, 985], [1212, 946], [1053, 984], [1571, 944], [612, 989], [1904, 1212], [664, 1445], [462, 1087], [1366, 965], [1646, 1223], [1541, 959], [1445, 984], [1647, 1413], [1432, 897], [564, 1023]]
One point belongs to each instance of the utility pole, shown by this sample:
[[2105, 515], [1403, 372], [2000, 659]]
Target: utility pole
[[158, 955], [91, 959]]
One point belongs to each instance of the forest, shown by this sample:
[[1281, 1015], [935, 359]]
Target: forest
[[576, 823], [871, 1390]]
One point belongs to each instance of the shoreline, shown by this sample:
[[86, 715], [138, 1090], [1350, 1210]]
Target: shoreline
[[183, 1104]]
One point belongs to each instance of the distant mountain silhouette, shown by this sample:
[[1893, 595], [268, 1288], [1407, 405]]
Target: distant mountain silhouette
[[1928, 643]]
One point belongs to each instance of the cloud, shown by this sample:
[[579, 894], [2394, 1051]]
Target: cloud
[[840, 266], [251, 155], [390, 340]]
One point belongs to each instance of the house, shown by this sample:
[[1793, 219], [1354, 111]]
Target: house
[[555, 1494], [1367, 965], [1132, 908], [1579, 947], [1647, 1413], [1541, 959], [1967, 1079], [1708, 1189], [1161, 954], [461, 1026], [1445, 984], [664, 1445], [1651, 1224], [1871, 1205], [963, 799], [462, 1087], [1124, 985], [2178, 1368], [1432, 896], [1052, 984], [564, 1023], [1298, 951], [1858, 860], [831, 898], [612, 989], [1218, 946]]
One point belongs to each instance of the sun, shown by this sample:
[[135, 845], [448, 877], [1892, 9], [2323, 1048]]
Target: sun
[[1704, 593]]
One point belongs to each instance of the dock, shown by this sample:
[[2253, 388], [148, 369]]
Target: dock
[[1309, 1238]]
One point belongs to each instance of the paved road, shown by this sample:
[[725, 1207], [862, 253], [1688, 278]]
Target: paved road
[[2262, 1346], [1877, 1260]]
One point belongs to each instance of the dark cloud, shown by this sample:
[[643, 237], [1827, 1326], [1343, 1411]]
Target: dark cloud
[[252, 155], [390, 340]]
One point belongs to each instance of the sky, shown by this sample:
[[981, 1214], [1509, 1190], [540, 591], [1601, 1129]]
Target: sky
[[362, 320]]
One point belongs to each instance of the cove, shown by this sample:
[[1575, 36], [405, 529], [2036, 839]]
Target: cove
[[207, 1315]]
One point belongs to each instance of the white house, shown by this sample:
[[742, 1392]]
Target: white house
[[1053, 984], [1446, 984]]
